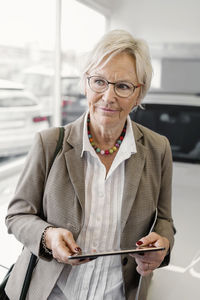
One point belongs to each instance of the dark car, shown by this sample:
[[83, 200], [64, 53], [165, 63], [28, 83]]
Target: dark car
[[74, 103], [177, 116]]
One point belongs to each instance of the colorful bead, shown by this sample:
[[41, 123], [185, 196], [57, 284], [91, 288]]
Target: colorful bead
[[108, 151]]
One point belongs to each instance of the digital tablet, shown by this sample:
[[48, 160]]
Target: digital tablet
[[115, 252]]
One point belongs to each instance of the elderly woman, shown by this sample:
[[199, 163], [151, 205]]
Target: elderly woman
[[109, 188]]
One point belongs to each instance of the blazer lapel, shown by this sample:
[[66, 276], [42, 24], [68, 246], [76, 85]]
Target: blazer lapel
[[75, 165], [74, 161], [133, 171]]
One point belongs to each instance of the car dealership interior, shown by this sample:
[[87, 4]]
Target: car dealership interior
[[43, 45]]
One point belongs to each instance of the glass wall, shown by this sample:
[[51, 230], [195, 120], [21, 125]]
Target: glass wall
[[27, 76]]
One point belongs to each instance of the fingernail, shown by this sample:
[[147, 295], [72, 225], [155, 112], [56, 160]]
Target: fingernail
[[139, 243], [78, 249]]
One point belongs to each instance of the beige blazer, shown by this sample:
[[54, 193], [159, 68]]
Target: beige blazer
[[59, 201]]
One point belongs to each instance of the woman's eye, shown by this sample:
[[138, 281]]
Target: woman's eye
[[99, 82], [123, 86]]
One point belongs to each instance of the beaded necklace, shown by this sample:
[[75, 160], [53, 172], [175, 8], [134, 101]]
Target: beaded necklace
[[108, 151]]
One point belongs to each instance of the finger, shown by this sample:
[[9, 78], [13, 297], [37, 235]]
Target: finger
[[137, 255], [147, 263], [142, 254], [76, 262], [142, 271], [142, 262], [60, 237], [151, 258], [61, 252], [71, 244], [148, 256], [83, 261], [149, 240]]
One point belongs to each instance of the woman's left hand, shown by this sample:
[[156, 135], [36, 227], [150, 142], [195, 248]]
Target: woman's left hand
[[148, 262]]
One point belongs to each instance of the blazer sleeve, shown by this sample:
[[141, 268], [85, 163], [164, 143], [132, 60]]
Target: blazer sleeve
[[25, 209]]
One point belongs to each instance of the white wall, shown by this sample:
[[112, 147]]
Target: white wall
[[158, 21]]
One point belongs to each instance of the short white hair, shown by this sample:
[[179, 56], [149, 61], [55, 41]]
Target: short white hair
[[117, 41]]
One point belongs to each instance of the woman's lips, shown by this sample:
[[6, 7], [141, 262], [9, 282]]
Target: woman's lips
[[107, 109]]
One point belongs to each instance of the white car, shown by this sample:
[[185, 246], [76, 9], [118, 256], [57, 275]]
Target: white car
[[40, 81], [20, 118], [178, 118]]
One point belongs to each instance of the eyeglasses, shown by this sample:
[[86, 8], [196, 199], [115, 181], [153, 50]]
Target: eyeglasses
[[122, 88]]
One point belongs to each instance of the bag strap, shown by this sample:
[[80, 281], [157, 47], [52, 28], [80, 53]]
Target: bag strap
[[58, 146], [28, 276], [33, 257]]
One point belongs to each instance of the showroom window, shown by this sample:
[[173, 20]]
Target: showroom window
[[27, 73]]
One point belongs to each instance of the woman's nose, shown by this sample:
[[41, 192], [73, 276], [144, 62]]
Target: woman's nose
[[109, 95]]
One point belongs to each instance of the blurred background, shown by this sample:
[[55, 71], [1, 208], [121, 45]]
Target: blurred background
[[42, 47]]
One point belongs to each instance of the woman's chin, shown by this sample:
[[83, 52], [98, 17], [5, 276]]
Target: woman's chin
[[107, 120]]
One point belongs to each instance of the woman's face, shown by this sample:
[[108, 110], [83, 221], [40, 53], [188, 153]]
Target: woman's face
[[107, 108]]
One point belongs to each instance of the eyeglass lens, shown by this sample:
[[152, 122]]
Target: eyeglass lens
[[122, 89]]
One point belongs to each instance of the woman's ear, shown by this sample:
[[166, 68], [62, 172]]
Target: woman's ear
[[85, 87], [136, 103]]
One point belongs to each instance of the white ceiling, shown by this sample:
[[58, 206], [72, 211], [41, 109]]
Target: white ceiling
[[102, 6], [157, 21]]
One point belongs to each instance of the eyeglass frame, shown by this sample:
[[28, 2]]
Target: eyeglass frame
[[113, 83]]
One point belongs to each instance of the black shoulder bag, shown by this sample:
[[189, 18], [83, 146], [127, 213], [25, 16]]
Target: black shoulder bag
[[33, 258]]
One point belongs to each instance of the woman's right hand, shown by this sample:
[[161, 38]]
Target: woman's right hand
[[62, 244]]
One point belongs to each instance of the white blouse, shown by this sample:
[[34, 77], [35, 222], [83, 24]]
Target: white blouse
[[102, 277]]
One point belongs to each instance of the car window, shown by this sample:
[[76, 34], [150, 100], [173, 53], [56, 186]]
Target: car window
[[180, 124], [16, 102]]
